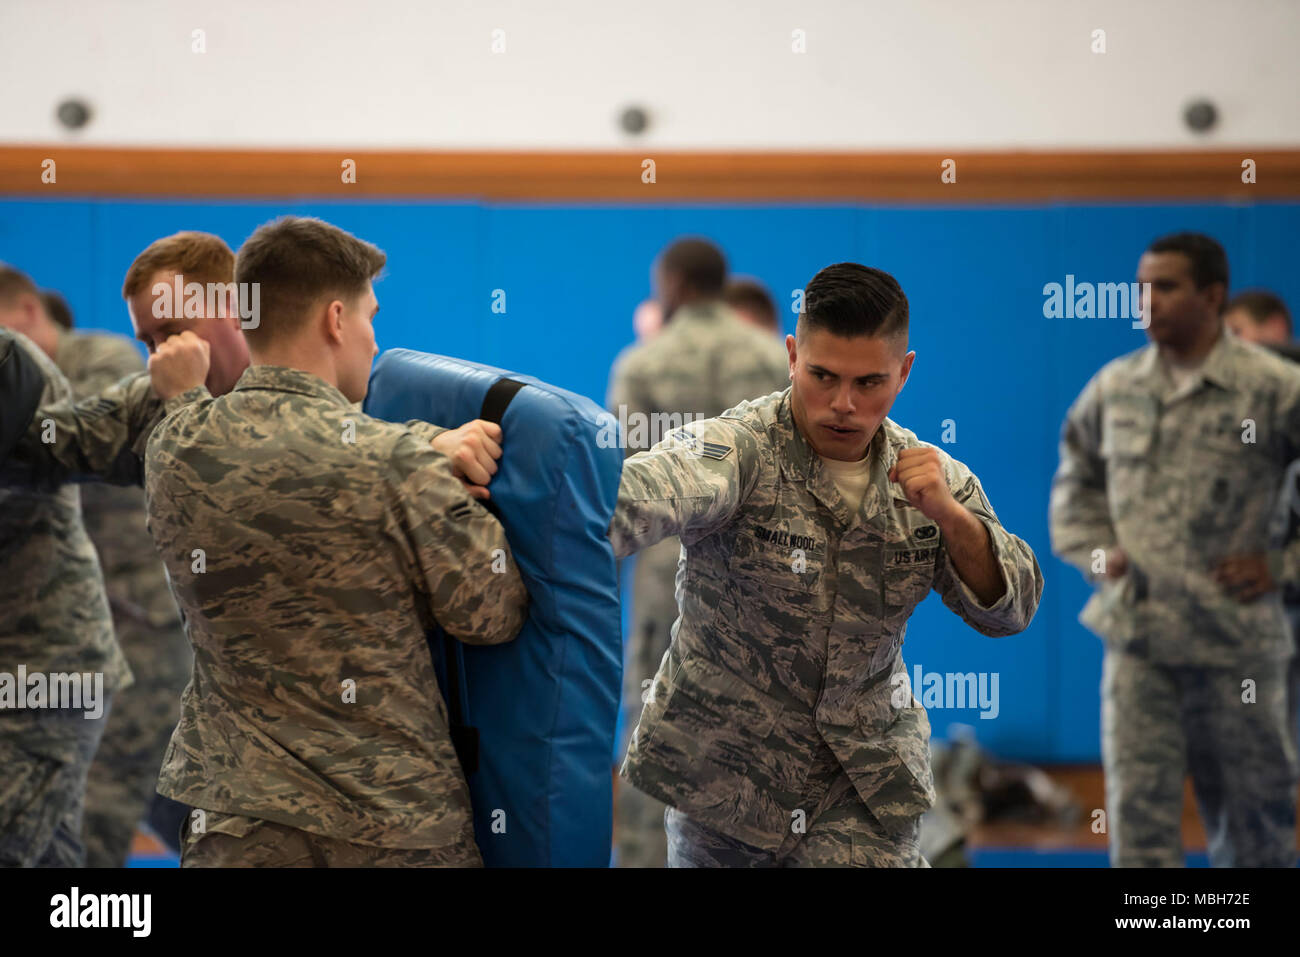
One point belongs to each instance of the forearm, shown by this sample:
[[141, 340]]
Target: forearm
[[970, 550], [100, 438]]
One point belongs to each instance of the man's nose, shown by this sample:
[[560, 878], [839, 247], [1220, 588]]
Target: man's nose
[[843, 400]]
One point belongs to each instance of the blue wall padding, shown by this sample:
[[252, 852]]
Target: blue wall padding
[[545, 704], [549, 288]]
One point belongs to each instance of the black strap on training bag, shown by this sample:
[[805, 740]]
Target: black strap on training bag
[[463, 735]]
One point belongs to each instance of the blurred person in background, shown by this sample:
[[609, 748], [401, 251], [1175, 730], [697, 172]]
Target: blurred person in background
[[55, 626], [121, 785], [1259, 316], [1172, 458], [751, 301], [704, 361]]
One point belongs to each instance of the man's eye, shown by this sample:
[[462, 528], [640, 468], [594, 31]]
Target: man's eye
[[819, 376]]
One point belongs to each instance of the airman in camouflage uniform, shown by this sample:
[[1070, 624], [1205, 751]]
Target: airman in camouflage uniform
[[1165, 490], [780, 728], [309, 568], [54, 619], [311, 549], [704, 361], [125, 771]]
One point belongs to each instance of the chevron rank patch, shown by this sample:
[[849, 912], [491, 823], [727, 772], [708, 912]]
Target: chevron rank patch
[[695, 446]]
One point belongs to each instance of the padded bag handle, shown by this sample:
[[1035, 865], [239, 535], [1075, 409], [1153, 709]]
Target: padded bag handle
[[464, 736]]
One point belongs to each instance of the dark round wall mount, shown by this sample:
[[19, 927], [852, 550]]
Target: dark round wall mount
[[634, 119], [1200, 115], [73, 113]]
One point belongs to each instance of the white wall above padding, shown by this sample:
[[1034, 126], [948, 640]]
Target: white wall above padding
[[713, 74]]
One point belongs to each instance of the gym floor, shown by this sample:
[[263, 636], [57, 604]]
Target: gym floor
[[992, 845]]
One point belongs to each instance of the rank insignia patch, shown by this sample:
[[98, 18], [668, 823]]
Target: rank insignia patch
[[694, 445]]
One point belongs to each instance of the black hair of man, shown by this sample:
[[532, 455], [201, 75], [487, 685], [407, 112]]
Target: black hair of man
[[1260, 304], [56, 307], [751, 296], [849, 300], [699, 263], [1208, 260]]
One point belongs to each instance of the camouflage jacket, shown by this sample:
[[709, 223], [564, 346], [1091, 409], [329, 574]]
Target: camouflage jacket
[[100, 437], [1180, 480], [54, 615], [21, 386], [793, 613], [310, 548], [114, 517]]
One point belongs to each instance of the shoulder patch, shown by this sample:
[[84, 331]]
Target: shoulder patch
[[694, 445]]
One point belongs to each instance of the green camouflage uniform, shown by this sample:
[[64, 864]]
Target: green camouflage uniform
[[54, 619], [771, 726], [310, 548], [101, 437], [125, 771], [703, 362], [21, 386], [1181, 478]]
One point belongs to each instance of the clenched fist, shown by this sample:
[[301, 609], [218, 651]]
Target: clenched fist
[[473, 449], [920, 473], [179, 364]]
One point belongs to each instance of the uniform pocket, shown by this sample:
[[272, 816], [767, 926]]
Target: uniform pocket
[[701, 693], [697, 756], [908, 576], [1127, 430], [891, 771]]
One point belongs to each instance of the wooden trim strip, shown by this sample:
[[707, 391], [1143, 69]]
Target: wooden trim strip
[[773, 177]]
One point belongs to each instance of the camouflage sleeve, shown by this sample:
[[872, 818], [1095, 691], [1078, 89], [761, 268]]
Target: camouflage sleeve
[[101, 437], [463, 561], [21, 386], [1079, 516], [425, 430], [1284, 558], [1013, 612], [1284, 551], [689, 485]]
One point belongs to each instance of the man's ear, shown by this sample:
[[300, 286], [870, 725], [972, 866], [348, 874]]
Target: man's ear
[[333, 320], [906, 370], [1218, 295], [791, 351]]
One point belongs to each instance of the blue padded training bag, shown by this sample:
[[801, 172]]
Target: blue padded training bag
[[535, 717]]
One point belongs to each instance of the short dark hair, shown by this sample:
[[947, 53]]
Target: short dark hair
[[57, 308], [752, 296], [297, 262], [849, 299], [1209, 261], [1259, 304], [700, 264]]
